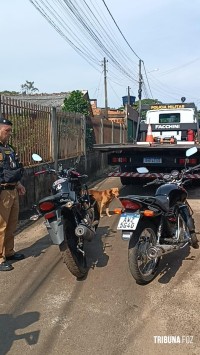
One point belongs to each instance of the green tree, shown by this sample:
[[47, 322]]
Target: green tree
[[145, 103], [148, 102], [28, 88], [76, 103]]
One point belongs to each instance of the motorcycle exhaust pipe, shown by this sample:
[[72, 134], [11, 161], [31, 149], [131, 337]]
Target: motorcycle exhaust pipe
[[159, 250], [85, 232]]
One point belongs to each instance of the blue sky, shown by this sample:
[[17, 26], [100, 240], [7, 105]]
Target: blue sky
[[164, 34]]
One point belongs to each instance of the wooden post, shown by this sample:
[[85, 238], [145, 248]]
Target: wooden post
[[101, 132], [112, 132], [54, 138], [83, 124]]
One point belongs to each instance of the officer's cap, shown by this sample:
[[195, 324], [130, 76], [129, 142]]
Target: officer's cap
[[5, 121]]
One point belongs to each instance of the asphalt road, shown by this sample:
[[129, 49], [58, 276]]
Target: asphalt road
[[45, 310]]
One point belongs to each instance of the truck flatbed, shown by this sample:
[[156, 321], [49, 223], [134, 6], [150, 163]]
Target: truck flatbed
[[141, 146], [158, 158]]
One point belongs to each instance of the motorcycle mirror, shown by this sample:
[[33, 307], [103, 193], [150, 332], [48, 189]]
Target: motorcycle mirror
[[142, 170], [36, 157], [191, 151]]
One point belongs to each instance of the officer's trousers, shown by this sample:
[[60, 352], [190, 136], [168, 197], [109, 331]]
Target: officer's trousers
[[9, 212]]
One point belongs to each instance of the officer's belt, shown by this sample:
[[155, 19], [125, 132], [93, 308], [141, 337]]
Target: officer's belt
[[7, 186]]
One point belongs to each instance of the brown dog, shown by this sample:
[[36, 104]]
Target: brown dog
[[104, 198]]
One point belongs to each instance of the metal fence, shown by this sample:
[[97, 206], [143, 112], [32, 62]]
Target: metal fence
[[54, 134], [70, 134], [31, 128]]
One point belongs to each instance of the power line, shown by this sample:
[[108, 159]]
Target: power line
[[147, 79], [76, 21], [114, 90], [158, 86], [120, 30], [97, 89], [88, 57], [179, 67], [88, 27], [107, 34], [96, 36]]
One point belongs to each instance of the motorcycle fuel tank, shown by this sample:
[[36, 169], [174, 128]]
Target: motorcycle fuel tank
[[61, 185], [64, 187]]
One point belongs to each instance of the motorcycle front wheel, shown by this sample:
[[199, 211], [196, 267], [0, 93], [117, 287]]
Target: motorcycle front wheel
[[141, 267], [72, 257]]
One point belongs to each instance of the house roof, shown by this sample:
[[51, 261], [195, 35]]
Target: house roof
[[45, 99]]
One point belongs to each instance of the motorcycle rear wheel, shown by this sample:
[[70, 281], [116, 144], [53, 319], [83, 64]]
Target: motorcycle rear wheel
[[72, 257], [141, 267]]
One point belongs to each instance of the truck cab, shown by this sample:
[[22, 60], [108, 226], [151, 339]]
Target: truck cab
[[177, 120], [165, 134]]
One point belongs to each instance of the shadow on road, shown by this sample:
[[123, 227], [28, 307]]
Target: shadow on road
[[171, 263], [36, 248], [9, 324], [96, 250], [24, 220]]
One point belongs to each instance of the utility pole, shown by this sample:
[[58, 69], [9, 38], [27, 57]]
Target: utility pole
[[105, 88], [139, 101], [128, 95], [127, 106]]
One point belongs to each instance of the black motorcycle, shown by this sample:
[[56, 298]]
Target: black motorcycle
[[71, 216], [157, 225]]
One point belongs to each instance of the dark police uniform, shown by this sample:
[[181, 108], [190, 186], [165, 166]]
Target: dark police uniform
[[10, 168], [10, 175]]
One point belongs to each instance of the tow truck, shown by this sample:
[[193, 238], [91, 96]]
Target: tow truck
[[167, 131]]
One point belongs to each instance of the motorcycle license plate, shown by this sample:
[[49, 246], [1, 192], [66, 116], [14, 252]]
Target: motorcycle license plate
[[128, 221]]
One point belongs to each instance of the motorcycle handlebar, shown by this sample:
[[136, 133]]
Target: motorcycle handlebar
[[156, 181], [180, 180], [40, 172], [193, 168], [60, 173], [44, 171]]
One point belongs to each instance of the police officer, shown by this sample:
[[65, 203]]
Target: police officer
[[10, 189]]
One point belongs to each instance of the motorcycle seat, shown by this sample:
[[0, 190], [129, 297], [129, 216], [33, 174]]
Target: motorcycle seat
[[52, 198], [160, 201]]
